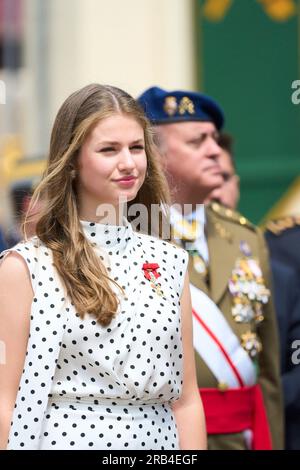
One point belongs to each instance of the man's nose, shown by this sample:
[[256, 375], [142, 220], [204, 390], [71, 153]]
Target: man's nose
[[214, 149]]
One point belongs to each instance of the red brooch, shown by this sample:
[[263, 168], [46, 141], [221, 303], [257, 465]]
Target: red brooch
[[150, 273]]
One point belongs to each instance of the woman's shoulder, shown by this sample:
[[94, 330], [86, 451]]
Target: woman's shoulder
[[34, 253], [27, 248], [17, 263]]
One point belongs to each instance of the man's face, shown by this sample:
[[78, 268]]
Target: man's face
[[190, 155], [229, 193]]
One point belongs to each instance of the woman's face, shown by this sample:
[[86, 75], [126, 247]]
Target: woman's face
[[112, 164]]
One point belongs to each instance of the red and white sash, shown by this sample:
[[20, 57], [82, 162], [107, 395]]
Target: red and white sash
[[241, 407], [217, 345]]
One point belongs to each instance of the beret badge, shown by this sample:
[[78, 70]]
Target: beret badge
[[170, 105], [186, 105]]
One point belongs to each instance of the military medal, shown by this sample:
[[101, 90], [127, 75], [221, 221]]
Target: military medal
[[150, 273], [247, 287], [198, 262], [245, 248], [251, 344]]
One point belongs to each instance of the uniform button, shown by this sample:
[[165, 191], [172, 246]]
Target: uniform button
[[215, 206]]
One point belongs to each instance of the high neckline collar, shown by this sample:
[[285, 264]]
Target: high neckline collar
[[108, 236]]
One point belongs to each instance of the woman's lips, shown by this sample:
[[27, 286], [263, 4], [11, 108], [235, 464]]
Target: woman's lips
[[126, 181]]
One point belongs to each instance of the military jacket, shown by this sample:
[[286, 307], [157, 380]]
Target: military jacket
[[234, 243]]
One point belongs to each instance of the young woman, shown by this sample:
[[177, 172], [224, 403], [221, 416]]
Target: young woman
[[96, 317]]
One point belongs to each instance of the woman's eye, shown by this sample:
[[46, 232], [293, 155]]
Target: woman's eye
[[107, 149], [137, 147]]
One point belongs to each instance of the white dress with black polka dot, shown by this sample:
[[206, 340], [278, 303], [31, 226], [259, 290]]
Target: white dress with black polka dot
[[85, 386]]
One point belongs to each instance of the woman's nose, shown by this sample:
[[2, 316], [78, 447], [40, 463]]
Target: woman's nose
[[126, 160]]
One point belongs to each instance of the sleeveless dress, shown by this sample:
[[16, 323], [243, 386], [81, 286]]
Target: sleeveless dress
[[112, 387]]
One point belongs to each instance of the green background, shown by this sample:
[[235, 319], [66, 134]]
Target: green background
[[247, 62]]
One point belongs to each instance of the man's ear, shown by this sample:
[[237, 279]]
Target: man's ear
[[161, 146], [237, 179], [160, 158]]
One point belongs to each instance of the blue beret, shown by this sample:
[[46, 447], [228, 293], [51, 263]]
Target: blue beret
[[164, 107]]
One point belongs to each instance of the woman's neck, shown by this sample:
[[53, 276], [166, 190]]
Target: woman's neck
[[103, 214]]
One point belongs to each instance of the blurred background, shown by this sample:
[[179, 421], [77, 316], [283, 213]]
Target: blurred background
[[245, 53]]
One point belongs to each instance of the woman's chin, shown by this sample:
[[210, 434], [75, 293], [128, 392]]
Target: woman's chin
[[126, 196]]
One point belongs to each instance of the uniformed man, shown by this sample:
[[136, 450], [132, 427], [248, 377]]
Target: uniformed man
[[235, 335], [283, 238]]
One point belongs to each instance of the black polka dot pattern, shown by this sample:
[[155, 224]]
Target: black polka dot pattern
[[85, 386]]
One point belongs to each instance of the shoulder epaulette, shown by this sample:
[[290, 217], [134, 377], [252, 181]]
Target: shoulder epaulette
[[278, 226], [231, 215]]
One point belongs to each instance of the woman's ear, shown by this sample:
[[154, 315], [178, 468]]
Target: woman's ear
[[72, 172]]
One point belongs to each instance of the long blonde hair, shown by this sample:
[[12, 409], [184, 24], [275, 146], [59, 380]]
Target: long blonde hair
[[58, 225]]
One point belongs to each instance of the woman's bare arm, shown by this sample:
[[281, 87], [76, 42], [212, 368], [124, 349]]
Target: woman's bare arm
[[188, 409], [16, 296]]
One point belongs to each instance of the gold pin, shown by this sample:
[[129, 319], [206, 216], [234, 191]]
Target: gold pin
[[170, 105], [215, 206], [186, 105]]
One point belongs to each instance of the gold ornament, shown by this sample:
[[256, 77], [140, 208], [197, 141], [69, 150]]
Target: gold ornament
[[186, 106], [251, 344], [170, 105]]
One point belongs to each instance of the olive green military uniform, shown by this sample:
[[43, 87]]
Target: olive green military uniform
[[225, 230]]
